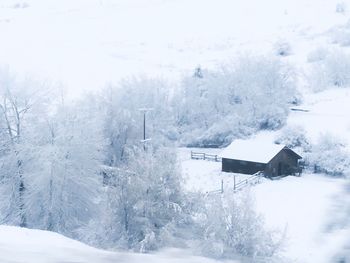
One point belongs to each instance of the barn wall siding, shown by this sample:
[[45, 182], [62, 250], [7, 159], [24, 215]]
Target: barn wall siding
[[283, 163], [244, 167]]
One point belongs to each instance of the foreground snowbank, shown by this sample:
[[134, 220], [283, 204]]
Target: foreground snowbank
[[21, 245]]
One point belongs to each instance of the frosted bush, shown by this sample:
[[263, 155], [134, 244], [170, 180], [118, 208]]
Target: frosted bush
[[329, 156], [341, 34], [340, 8], [317, 55], [221, 133], [282, 48], [233, 229], [292, 137], [331, 72], [337, 67]]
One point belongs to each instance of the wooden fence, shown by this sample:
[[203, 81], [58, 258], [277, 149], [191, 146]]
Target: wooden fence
[[218, 191], [205, 156], [250, 181]]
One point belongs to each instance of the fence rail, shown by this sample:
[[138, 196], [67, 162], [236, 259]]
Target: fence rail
[[252, 180], [205, 156], [217, 191]]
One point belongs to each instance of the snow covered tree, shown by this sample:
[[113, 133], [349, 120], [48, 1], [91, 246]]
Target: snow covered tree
[[123, 120], [250, 94], [63, 176], [20, 100], [145, 201], [143, 193]]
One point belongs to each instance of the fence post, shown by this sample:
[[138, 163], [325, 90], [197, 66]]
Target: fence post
[[234, 183], [222, 186], [204, 155], [191, 155]]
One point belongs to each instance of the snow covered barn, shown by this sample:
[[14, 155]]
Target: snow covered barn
[[251, 156]]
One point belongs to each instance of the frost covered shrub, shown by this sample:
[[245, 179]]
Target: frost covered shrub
[[341, 35], [337, 69], [340, 8], [232, 229], [329, 156], [317, 55], [221, 133], [333, 71], [282, 48], [292, 137]]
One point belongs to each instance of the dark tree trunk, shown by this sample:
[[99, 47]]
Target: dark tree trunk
[[23, 220]]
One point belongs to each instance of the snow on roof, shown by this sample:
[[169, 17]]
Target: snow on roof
[[252, 150]]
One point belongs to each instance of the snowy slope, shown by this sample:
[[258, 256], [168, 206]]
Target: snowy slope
[[66, 41], [328, 112], [20, 245]]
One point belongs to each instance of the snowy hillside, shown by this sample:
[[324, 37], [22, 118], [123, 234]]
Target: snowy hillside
[[327, 112], [106, 40], [19, 245]]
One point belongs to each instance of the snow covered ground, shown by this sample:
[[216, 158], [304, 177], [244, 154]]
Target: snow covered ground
[[20, 245], [206, 176], [328, 112], [85, 44], [302, 206]]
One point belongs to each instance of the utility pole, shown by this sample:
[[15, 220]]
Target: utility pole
[[145, 110]]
